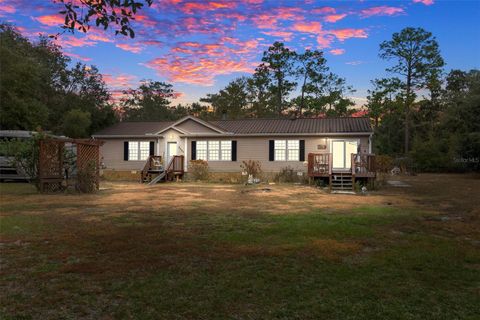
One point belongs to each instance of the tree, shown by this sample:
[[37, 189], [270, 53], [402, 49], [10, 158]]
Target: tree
[[76, 124], [259, 96], [24, 84], [78, 14], [334, 101], [277, 68], [231, 102], [462, 116], [417, 57], [150, 102], [384, 98], [312, 72]]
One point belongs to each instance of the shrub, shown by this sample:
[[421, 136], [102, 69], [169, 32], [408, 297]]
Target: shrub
[[252, 167], [24, 154], [384, 163], [199, 170], [86, 178], [287, 174]]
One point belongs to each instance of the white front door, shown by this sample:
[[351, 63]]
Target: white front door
[[171, 151], [342, 153]]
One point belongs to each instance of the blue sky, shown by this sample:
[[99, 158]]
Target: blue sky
[[199, 46]]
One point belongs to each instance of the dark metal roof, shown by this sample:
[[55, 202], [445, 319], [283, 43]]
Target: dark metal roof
[[297, 126], [252, 126], [133, 128]]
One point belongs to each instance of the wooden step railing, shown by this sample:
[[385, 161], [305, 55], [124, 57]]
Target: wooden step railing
[[319, 164], [175, 167], [363, 165], [152, 163]]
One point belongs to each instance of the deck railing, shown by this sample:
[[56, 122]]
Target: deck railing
[[152, 163], [319, 164], [175, 167], [363, 164]]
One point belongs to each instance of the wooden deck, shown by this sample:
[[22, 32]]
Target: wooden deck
[[362, 165]]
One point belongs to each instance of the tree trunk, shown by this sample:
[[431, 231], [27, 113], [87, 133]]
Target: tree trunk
[[279, 96], [302, 99], [407, 110]]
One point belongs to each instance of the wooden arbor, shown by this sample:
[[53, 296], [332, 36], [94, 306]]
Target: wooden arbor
[[51, 168]]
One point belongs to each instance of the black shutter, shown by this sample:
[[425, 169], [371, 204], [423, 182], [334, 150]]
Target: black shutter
[[194, 150], [234, 150], [152, 148], [302, 150], [125, 150], [271, 153]]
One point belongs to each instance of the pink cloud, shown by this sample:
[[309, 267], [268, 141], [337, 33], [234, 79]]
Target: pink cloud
[[381, 11], [323, 10], [51, 20], [270, 19], [285, 35], [311, 27], [425, 2], [191, 7], [6, 8], [337, 52], [289, 13], [68, 41], [134, 48], [343, 34], [120, 81], [324, 40], [77, 56], [145, 20], [156, 43], [199, 71], [334, 17]]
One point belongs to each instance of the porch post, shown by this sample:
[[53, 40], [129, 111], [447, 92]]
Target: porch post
[[370, 144], [186, 155]]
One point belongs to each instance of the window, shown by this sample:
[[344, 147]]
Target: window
[[138, 150], [202, 150], [226, 147], [293, 150], [287, 150], [144, 150], [280, 148], [214, 150]]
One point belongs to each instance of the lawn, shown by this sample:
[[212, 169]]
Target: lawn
[[209, 251]]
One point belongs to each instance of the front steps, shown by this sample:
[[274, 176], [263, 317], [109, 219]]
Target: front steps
[[342, 181]]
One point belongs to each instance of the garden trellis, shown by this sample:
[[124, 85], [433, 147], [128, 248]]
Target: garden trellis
[[52, 173]]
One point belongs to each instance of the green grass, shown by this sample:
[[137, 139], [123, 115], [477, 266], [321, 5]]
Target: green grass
[[372, 262]]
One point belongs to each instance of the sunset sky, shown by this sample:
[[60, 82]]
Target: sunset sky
[[199, 46]]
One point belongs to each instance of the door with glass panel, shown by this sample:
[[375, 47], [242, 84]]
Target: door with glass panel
[[342, 153]]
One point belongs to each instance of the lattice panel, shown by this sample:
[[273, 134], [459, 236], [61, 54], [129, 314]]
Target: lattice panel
[[89, 155], [51, 159]]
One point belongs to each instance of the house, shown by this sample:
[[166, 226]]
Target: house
[[320, 148]]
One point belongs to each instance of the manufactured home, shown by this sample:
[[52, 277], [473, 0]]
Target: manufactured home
[[328, 148]]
